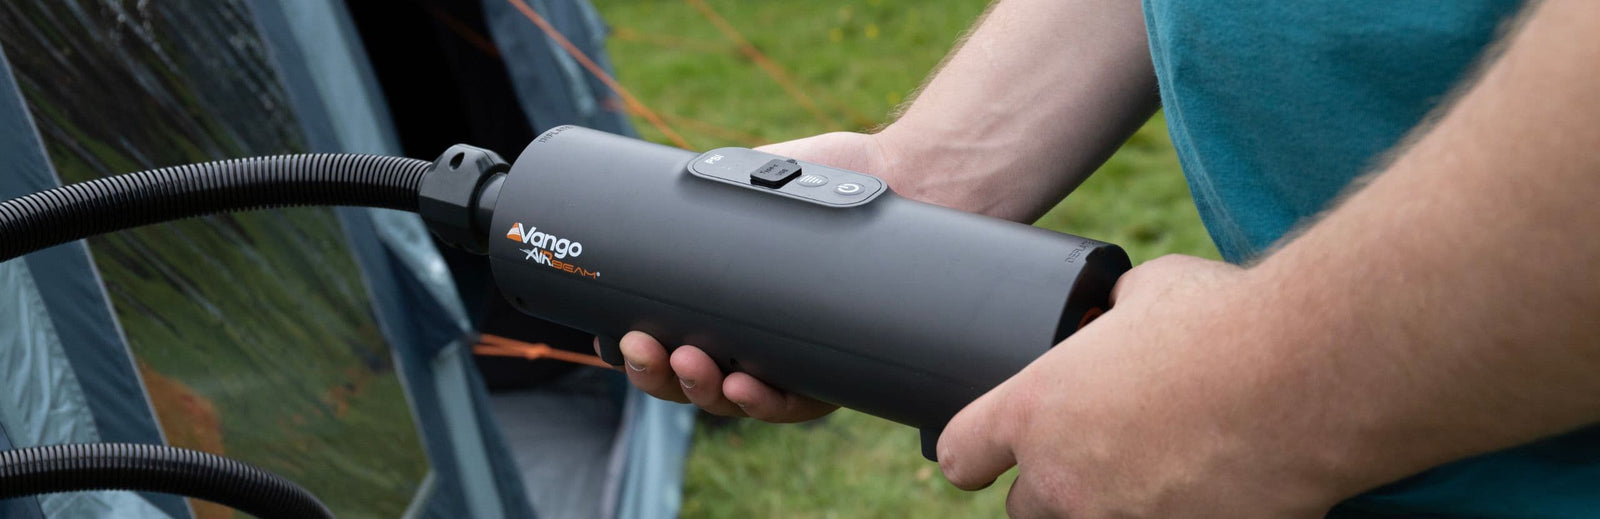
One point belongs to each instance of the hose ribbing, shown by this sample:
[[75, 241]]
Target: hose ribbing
[[154, 468], [130, 200]]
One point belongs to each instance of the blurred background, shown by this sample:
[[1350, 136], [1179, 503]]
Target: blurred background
[[731, 73]]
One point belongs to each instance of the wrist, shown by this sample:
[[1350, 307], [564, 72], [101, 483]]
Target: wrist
[[1218, 371], [1352, 408], [1282, 397], [936, 164]]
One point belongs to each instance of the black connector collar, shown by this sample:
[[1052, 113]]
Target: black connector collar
[[450, 196]]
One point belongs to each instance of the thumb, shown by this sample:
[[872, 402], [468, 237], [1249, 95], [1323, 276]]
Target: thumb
[[975, 448], [802, 148], [844, 150]]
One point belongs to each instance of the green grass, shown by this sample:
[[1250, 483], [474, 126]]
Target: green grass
[[857, 61]]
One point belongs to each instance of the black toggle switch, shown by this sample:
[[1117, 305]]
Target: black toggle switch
[[775, 173]]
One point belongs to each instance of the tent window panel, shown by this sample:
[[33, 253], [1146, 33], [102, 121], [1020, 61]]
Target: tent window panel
[[253, 332]]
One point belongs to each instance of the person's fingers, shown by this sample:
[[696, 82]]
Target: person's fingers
[[975, 447], [689, 375], [701, 380], [645, 362], [765, 403]]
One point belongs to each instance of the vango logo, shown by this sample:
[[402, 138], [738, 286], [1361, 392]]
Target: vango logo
[[562, 247], [548, 250]]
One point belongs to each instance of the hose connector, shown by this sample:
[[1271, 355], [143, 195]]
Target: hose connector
[[450, 195]]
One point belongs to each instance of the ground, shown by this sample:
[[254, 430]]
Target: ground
[[851, 63]]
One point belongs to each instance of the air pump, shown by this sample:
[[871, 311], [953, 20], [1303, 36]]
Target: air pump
[[817, 280], [814, 279]]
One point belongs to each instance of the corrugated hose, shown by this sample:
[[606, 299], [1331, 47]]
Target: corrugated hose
[[154, 468]]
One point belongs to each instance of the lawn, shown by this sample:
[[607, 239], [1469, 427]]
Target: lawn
[[852, 63]]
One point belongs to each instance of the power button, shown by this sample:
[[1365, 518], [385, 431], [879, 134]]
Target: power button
[[849, 189]]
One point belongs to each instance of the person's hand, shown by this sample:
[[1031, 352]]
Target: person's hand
[[867, 153], [1166, 406], [689, 375]]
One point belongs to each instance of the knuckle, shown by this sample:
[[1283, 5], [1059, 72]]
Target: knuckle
[[711, 401], [947, 464], [1017, 504], [1033, 496], [1009, 417]]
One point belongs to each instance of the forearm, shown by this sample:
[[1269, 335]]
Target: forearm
[[1041, 93], [1452, 306]]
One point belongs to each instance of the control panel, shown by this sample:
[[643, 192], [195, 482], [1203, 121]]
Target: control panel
[[787, 177]]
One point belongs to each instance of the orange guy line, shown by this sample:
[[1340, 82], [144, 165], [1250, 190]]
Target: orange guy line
[[628, 34], [599, 73], [461, 29], [749, 140], [503, 347], [772, 68]]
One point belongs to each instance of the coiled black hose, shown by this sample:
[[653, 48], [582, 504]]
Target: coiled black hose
[[120, 202], [154, 468]]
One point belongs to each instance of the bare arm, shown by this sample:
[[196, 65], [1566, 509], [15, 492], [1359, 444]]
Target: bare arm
[[1041, 93], [1450, 307], [1463, 284]]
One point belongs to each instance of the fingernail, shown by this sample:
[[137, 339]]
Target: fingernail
[[687, 384], [633, 367]]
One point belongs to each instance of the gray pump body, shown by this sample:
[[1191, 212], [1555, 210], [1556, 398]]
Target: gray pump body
[[890, 306]]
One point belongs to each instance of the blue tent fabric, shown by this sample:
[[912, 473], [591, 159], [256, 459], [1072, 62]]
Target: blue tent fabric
[[417, 310], [657, 432], [424, 350], [91, 390], [572, 96], [337, 67], [22, 507], [72, 290], [74, 299], [657, 450], [41, 401]]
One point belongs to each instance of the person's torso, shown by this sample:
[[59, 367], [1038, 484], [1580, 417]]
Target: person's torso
[[1275, 107]]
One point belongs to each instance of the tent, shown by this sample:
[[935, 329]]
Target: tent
[[331, 346]]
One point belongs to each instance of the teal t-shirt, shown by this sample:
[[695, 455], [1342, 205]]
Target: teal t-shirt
[[1274, 106]]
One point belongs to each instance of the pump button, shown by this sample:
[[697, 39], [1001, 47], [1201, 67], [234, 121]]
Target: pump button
[[849, 189], [775, 173], [810, 180]]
